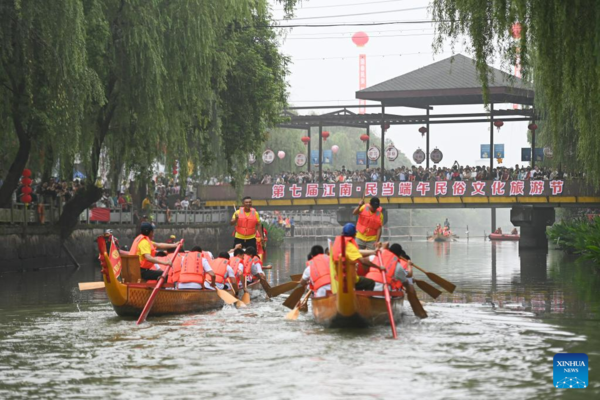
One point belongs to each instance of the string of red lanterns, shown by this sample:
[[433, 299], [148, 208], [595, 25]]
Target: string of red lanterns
[[26, 189]]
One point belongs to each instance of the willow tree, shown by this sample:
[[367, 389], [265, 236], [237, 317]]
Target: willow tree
[[44, 82], [559, 51]]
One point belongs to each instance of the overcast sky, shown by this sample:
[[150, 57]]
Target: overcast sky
[[324, 71]]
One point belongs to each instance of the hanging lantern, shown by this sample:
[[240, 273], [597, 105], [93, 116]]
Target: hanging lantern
[[305, 140], [532, 127], [436, 155], [548, 152], [26, 199], [423, 130], [364, 137], [498, 124], [325, 135], [281, 155], [26, 190], [26, 181], [360, 39], [26, 173], [335, 148], [419, 156], [386, 127]]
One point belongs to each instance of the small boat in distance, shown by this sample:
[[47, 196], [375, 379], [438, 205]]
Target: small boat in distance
[[504, 236]]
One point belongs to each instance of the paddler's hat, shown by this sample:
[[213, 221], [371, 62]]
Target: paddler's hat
[[146, 228], [108, 232], [349, 229]]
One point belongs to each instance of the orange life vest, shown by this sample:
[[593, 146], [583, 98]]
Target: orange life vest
[[246, 225], [219, 267], [191, 268], [320, 274], [206, 255], [145, 264], [368, 222], [337, 249], [247, 265], [234, 263], [390, 262], [175, 270]]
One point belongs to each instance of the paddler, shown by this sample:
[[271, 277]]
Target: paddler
[[246, 220], [224, 274], [194, 268], [398, 268], [369, 224], [317, 273], [145, 249], [346, 243], [253, 265]]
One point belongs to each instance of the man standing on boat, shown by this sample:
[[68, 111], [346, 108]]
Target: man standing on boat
[[145, 249], [345, 244], [246, 219], [370, 223]]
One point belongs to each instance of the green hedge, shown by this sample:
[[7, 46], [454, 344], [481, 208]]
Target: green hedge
[[275, 234], [579, 236]]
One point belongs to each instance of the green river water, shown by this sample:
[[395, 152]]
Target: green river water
[[494, 338]]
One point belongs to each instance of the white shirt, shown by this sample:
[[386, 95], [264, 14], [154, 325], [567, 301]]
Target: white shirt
[[322, 291]]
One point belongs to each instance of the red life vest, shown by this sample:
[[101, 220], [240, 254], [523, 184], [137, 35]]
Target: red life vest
[[145, 264], [175, 270], [206, 255], [234, 263], [390, 262], [191, 268], [320, 274], [246, 225], [219, 267], [337, 249], [247, 265], [368, 222]]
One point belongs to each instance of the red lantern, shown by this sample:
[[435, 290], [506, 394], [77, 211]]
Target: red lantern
[[423, 131], [325, 135], [305, 140], [26, 182], [532, 127], [26, 199], [360, 39], [498, 124], [364, 137], [26, 173], [386, 127], [26, 190]]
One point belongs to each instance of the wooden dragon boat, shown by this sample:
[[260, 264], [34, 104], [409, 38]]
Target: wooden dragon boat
[[129, 294], [504, 236], [350, 308]]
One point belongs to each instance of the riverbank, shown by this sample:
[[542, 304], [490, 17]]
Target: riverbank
[[579, 236], [39, 247]]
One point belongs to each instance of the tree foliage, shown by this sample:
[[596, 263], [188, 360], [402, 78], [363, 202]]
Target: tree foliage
[[559, 51]]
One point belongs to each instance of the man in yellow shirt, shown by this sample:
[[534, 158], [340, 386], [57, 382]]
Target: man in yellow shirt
[[246, 219], [347, 245], [369, 224], [145, 248]]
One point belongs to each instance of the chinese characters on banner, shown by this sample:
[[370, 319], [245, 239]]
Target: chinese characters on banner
[[420, 189]]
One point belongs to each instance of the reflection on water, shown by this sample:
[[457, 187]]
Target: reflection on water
[[493, 338]]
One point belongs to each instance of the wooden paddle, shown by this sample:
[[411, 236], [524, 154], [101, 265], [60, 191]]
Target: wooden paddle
[[265, 285], [294, 298], [427, 288], [296, 277], [160, 282], [446, 285], [90, 285], [293, 315], [283, 288], [246, 295], [228, 298], [415, 304], [388, 299]]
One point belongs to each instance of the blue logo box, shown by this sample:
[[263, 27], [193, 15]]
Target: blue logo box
[[570, 371]]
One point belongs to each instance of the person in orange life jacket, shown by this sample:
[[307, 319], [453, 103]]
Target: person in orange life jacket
[[317, 272], [256, 265], [354, 255], [206, 269], [236, 261], [369, 224], [398, 270], [145, 249], [246, 220], [223, 273]]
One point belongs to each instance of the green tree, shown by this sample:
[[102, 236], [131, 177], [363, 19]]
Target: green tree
[[559, 50]]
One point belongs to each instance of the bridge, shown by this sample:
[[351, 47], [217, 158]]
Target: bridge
[[532, 203]]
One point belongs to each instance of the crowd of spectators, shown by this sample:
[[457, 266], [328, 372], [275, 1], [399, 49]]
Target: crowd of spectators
[[413, 173]]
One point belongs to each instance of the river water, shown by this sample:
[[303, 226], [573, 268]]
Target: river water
[[494, 338]]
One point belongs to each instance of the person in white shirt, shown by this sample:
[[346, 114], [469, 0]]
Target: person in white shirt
[[228, 274], [205, 267]]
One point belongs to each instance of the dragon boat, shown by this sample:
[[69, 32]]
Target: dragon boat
[[128, 293], [351, 308]]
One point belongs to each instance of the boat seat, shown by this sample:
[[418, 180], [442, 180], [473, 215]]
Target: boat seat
[[130, 270]]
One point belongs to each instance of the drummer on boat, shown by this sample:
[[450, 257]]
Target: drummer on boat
[[369, 224], [347, 245], [498, 231], [145, 249], [514, 231]]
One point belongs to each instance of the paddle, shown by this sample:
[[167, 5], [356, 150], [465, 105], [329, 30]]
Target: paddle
[[294, 298], [228, 298], [427, 288], [246, 295], [293, 315], [265, 285], [90, 285], [283, 288], [388, 299], [296, 277], [160, 282], [415, 304], [448, 286]]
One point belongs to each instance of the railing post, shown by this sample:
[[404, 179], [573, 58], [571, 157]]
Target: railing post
[[12, 210], [51, 211], [120, 215]]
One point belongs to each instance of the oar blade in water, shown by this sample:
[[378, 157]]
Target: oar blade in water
[[427, 288], [90, 285], [283, 288], [294, 298], [293, 315]]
